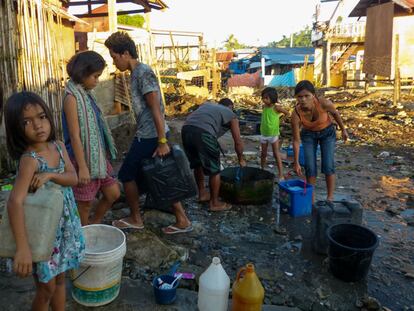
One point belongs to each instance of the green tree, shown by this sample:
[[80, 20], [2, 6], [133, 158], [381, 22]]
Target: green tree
[[231, 43], [131, 20], [300, 39]]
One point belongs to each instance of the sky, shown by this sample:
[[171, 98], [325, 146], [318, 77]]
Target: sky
[[254, 23]]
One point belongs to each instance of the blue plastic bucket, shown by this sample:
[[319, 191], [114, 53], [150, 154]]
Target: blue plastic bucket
[[165, 296], [296, 197]]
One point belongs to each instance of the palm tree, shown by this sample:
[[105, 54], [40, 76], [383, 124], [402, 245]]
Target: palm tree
[[231, 43]]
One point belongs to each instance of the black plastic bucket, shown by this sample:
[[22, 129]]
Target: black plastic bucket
[[350, 251]]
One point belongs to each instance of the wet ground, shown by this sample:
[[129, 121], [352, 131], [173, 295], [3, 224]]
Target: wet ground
[[291, 273]]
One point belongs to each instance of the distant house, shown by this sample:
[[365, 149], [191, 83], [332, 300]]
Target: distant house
[[245, 53], [339, 43], [278, 66], [282, 66], [390, 21], [239, 66]]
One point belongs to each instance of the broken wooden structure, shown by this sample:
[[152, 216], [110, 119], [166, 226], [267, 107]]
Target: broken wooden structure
[[336, 43], [390, 57], [37, 39]]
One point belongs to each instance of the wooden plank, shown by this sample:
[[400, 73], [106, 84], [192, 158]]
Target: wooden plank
[[113, 23], [378, 40], [397, 82], [188, 75], [90, 2], [106, 14], [359, 100]]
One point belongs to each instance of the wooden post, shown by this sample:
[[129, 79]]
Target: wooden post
[[176, 53], [263, 66], [397, 81], [153, 58], [328, 63], [214, 73], [112, 16], [305, 67]]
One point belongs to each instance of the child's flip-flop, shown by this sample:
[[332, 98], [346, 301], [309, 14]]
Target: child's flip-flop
[[171, 229], [126, 225]]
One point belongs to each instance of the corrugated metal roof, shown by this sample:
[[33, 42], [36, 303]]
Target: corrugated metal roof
[[224, 56], [286, 56], [408, 4], [282, 51]]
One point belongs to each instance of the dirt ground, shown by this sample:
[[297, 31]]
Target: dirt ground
[[375, 168]]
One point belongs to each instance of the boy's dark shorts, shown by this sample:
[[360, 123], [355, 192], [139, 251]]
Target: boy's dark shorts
[[202, 149], [131, 167]]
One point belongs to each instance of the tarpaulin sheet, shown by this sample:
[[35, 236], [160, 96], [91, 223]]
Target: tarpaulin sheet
[[286, 79]]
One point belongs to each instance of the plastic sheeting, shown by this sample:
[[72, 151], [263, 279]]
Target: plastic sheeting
[[286, 79]]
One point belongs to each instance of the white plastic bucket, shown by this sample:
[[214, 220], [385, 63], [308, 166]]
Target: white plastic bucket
[[98, 279]]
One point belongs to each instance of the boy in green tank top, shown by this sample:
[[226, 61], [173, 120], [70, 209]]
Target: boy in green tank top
[[269, 127]]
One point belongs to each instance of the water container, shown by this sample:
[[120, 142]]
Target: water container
[[165, 296], [350, 251], [290, 153], [328, 213], [247, 185], [296, 196], [42, 211], [248, 292], [98, 280], [169, 179], [214, 286]]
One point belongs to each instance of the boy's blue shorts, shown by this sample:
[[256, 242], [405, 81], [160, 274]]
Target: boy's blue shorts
[[326, 138]]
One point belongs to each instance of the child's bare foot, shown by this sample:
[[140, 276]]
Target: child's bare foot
[[219, 207], [204, 198]]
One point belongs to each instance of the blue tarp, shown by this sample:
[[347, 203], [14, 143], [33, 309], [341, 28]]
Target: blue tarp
[[274, 56], [239, 67], [287, 56], [283, 56], [259, 64], [286, 79], [288, 59]]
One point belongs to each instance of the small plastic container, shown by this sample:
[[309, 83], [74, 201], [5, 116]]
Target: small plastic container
[[248, 292], [289, 152], [165, 296], [296, 196]]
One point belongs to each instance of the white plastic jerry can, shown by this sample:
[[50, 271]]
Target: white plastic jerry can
[[214, 286]]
